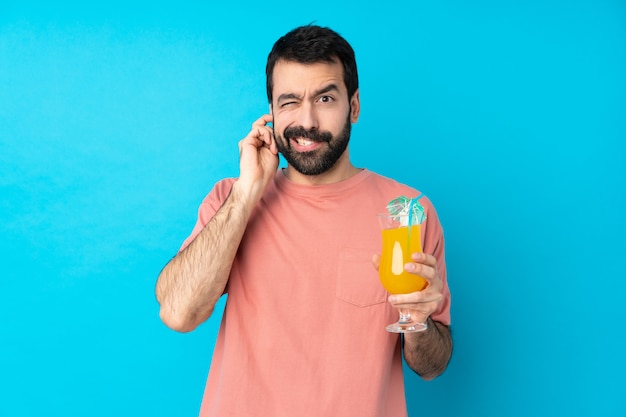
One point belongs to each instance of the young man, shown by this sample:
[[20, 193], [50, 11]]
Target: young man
[[303, 331]]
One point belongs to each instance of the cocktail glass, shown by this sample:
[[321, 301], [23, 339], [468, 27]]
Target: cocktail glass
[[401, 239]]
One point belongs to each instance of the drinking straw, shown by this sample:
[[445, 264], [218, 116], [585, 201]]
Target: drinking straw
[[411, 215]]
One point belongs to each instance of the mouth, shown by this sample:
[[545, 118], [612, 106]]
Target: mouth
[[306, 140], [305, 144]]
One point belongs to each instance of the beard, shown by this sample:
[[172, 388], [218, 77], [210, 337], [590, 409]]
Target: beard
[[317, 161]]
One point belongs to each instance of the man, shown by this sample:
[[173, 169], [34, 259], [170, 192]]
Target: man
[[303, 331]]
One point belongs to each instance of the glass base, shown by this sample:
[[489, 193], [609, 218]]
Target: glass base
[[406, 327]]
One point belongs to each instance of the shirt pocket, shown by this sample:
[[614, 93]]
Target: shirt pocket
[[357, 280]]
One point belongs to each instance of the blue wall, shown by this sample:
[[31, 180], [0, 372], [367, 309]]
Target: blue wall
[[116, 120]]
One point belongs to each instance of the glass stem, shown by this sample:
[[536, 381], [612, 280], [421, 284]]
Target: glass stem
[[405, 316]]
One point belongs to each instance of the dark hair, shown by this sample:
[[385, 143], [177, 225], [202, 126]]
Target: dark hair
[[312, 44]]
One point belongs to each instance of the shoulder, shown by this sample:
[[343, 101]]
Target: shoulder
[[220, 191], [392, 188], [215, 198], [389, 189]]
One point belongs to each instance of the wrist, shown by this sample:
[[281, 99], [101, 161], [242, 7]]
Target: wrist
[[244, 196]]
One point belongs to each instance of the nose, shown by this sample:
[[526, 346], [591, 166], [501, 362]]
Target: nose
[[307, 116]]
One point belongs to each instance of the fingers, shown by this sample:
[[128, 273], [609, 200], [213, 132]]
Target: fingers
[[424, 265], [263, 120], [421, 303], [425, 259], [414, 299], [265, 132], [261, 135]]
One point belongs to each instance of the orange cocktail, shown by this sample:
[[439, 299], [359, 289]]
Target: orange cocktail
[[398, 245]]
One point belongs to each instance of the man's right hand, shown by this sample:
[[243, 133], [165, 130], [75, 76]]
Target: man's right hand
[[258, 159]]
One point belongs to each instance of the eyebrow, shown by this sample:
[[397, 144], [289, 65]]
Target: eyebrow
[[323, 90], [327, 89]]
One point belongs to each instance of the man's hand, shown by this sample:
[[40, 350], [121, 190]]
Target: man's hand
[[258, 158], [423, 303], [427, 353]]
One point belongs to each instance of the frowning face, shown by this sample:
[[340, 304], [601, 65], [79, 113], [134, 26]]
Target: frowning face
[[312, 115]]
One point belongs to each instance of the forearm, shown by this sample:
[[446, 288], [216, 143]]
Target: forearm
[[429, 352], [192, 282]]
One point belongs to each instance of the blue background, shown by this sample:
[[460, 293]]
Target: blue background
[[116, 119]]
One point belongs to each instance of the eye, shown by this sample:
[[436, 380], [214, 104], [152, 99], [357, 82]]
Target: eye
[[287, 104], [326, 99]]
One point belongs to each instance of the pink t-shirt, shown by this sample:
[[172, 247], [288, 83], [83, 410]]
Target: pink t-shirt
[[303, 331]]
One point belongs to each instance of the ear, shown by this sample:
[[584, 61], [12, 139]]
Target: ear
[[355, 107]]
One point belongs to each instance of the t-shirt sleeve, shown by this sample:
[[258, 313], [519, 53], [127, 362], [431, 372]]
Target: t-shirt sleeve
[[209, 206]]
